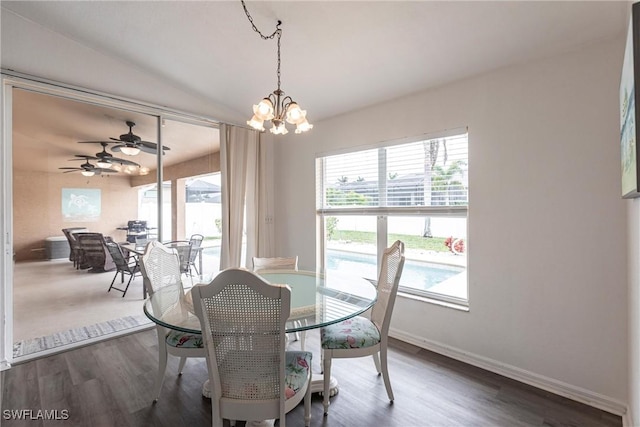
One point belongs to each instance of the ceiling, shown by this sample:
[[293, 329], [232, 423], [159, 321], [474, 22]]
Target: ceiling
[[47, 129], [336, 56]]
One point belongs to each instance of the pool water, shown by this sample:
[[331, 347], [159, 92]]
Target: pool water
[[415, 274]]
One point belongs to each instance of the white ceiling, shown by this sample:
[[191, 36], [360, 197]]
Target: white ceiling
[[336, 56]]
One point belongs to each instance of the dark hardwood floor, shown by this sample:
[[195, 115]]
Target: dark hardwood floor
[[110, 384]]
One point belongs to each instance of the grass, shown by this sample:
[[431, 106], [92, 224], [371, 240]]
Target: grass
[[411, 241]]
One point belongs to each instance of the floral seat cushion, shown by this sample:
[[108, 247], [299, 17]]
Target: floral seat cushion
[[184, 340], [358, 332], [297, 365]]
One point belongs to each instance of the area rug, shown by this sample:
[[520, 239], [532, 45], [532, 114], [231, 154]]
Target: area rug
[[73, 336]]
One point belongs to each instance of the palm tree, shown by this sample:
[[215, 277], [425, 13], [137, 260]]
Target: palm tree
[[431, 149]]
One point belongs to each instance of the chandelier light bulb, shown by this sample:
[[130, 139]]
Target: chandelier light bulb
[[279, 130], [130, 151], [256, 123], [303, 126], [264, 109], [295, 114], [144, 171], [88, 173]]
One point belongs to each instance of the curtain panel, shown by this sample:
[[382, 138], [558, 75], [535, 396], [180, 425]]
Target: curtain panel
[[247, 186]]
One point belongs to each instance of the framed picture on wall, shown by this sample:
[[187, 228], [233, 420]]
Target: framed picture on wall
[[629, 99], [81, 204]]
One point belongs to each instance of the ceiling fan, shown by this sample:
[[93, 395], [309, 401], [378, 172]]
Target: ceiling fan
[[87, 169], [131, 144], [106, 160]]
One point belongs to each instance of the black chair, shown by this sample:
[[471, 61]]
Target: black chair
[[92, 252], [74, 246], [196, 242], [124, 265]]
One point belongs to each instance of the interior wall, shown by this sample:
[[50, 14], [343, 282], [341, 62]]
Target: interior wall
[[37, 208], [547, 261]]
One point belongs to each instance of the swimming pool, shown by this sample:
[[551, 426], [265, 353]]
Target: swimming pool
[[416, 274]]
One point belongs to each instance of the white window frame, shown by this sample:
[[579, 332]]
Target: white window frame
[[384, 212]]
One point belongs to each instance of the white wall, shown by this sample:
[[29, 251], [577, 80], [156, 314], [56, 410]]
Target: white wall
[[544, 176]]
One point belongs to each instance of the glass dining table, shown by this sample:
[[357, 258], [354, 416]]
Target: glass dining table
[[317, 300]]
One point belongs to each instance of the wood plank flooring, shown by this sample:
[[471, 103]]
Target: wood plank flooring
[[110, 384]]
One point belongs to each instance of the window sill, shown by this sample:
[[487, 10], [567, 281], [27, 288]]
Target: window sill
[[455, 306]]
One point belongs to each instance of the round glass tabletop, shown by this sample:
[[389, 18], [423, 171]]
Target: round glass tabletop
[[318, 299]]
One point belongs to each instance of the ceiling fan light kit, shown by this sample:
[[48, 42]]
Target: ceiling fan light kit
[[276, 107]]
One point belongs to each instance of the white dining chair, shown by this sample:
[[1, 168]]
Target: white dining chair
[[282, 263], [160, 267], [275, 263], [360, 336], [251, 376]]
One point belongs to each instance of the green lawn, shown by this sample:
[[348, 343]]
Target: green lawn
[[411, 241]]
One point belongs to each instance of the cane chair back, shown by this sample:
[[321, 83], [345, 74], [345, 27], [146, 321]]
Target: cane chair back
[[282, 263], [160, 268], [360, 336], [277, 263], [243, 322]]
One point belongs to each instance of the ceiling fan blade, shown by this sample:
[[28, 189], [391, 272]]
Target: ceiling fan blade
[[153, 145], [100, 170], [95, 142], [82, 157], [123, 161], [75, 169]]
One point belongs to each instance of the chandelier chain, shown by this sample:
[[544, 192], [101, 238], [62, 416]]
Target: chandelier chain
[[277, 32]]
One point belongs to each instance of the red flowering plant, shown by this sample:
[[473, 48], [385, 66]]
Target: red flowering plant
[[455, 245]]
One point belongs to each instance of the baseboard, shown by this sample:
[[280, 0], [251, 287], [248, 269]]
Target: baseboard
[[539, 381]]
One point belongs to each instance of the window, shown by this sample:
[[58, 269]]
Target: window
[[415, 191]]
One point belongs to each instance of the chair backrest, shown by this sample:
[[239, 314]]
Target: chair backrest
[[117, 256], [93, 250], [278, 263], [160, 267], [183, 248], [243, 323], [196, 242], [388, 280]]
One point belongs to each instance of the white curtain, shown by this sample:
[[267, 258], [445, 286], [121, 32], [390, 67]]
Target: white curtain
[[246, 177]]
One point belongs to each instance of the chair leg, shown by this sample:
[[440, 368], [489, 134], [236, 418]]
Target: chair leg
[[183, 360], [385, 373], [112, 282], [162, 363], [326, 363], [376, 361], [307, 403], [128, 283]]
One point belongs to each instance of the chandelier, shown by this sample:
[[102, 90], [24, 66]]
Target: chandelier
[[277, 107]]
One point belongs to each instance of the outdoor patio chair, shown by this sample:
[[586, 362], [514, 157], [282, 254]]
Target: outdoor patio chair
[[359, 336], [74, 246], [243, 326], [160, 267], [195, 251], [93, 253], [183, 249], [124, 265]]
